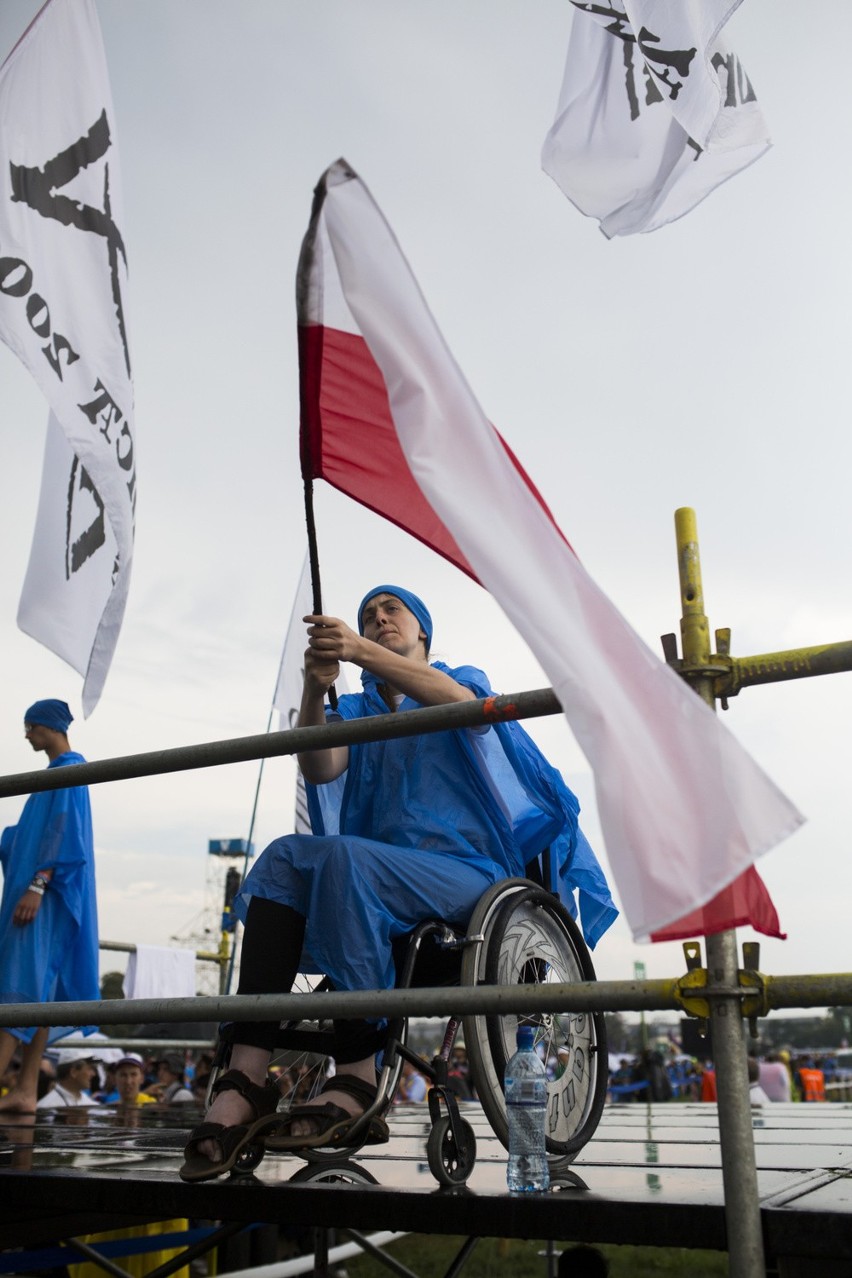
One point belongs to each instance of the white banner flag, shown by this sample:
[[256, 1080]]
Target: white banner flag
[[63, 274], [654, 113], [291, 672], [684, 808], [291, 676], [64, 594]]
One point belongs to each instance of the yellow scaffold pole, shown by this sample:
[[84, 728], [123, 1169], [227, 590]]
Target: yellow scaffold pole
[[739, 1170]]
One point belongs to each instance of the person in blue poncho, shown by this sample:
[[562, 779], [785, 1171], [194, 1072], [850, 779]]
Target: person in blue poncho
[[48, 911], [402, 830]]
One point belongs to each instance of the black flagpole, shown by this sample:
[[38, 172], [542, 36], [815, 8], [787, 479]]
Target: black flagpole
[[313, 557]]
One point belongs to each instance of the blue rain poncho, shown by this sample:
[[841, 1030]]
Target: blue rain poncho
[[55, 957], [419, 828]]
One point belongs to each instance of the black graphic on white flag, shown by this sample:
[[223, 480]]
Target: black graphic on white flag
[[63, 279], [654, 112]]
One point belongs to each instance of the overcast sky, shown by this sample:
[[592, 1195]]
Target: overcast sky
[[703, 365]]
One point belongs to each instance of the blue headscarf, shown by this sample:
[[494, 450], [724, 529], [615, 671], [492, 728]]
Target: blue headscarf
[[412, 603], [50, 714]]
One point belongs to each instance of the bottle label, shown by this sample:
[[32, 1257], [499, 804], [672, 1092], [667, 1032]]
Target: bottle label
[[526, 1091]]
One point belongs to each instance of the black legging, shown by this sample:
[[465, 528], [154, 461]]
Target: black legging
[[272, 949]]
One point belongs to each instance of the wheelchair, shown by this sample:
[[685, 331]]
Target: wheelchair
[[519, 934]]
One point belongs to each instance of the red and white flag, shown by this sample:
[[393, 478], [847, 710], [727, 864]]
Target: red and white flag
[[684, 809], [63, 276], [654, 113]]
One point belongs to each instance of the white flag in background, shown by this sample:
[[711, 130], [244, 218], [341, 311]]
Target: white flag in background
[[63, 275], [291, 672], [291, 676], [655, 112], [684, 808]]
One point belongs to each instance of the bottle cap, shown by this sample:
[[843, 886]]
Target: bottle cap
[[526, 1037]]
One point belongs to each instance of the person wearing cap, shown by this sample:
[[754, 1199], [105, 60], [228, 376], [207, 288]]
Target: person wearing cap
[[129, 1074], [75, 1070], [403, 830], [48, 911]]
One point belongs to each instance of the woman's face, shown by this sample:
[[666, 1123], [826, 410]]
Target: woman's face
[[388, 622]]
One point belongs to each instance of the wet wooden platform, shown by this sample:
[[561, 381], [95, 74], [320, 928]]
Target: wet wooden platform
[[651, 1177]]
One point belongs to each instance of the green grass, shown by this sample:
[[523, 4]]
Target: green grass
[[430, 1255]]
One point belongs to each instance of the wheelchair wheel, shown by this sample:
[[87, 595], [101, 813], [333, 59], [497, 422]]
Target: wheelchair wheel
[[529, 938], [306, 1068], [343, 1173], [451, 1162], [304, 1055]]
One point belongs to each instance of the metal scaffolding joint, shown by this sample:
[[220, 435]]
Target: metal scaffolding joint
[[695, 995]]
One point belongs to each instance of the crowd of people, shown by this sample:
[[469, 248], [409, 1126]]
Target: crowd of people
[[81, 1077], [104, 1075], [657, 1074]]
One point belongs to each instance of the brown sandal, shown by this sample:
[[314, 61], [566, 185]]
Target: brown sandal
[[335, 1124], [231, 1140]]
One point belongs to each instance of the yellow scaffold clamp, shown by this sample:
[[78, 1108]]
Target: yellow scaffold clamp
[[694, 994]]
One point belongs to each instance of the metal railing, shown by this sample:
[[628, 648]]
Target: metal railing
[[676, 994], [271, 745], [128, 947]]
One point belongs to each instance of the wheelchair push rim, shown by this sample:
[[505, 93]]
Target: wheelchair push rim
[[530, 938]]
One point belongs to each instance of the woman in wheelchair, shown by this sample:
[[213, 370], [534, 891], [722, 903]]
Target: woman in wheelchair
[[403, 830]]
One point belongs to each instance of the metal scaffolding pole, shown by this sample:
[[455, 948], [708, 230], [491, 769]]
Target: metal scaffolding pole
[[271, 745], [748, 994], [739, 1168]]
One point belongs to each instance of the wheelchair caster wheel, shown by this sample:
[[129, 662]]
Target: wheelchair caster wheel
[[449, 1162], [250, 1157]]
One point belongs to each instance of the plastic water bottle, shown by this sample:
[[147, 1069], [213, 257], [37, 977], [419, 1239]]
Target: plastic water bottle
[[526, 1109]]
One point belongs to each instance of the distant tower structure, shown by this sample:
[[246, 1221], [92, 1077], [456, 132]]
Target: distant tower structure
[[212, 931]]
